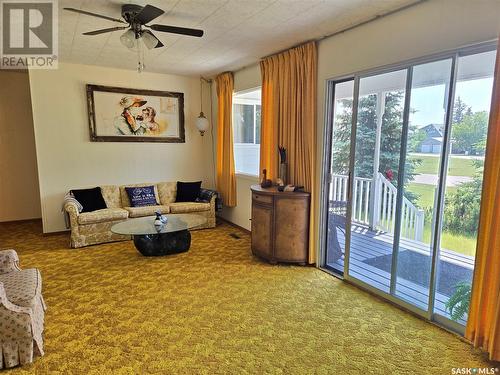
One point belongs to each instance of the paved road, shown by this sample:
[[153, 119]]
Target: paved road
[[432, 179]]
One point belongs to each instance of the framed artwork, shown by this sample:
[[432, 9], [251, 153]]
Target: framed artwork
[[117, 114]]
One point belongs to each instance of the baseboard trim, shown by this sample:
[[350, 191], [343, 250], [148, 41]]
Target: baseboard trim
[[56, 233], [21, 221], [234, 225]]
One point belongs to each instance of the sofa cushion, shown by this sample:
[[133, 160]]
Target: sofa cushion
[[99, 216], [124, 195], [90, 199], [181, 207], [146, 210], [111, 195], [21, 287], [142, 196], [187, 191], [167, 192]]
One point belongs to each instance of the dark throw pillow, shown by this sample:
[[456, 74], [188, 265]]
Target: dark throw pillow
[[187, 191], [90, 199], [140, 196]]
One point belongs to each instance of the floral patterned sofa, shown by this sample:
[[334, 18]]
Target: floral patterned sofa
[[22, 312], [90, 228]]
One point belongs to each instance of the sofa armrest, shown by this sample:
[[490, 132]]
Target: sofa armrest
[[4, 301], [9, 261], [72, 210], [71, 206], [210, 196]]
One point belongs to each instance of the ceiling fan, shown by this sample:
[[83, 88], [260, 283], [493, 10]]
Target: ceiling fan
[[137, 17]]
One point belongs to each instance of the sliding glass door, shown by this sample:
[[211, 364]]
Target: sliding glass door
[[377, 148], [461, 189], [430, 91], [337, 177], [404, 180]]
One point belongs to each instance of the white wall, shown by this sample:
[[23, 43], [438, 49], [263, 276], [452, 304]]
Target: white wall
[[242, 213], [429, 27], [19, 195], [66, 157]]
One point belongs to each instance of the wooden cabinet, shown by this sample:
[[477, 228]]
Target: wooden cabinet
[[280, 225]]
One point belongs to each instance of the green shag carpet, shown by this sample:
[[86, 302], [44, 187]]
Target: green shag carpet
[[217, 310]]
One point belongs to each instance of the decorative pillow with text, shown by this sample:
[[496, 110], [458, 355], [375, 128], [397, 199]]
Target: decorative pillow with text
[[141, 196]]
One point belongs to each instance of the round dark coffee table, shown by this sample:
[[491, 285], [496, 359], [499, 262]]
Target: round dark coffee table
[[172, 238]]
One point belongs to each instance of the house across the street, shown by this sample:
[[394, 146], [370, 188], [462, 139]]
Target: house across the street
[[434, 139]]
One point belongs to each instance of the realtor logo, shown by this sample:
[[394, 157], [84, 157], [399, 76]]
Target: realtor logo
[[29, 34]]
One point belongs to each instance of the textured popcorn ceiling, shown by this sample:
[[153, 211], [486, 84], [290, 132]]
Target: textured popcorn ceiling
[[237, 32]]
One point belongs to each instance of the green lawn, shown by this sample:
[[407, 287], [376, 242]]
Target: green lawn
[[426, 193], [458, 166], [459, 243], [450, 241]]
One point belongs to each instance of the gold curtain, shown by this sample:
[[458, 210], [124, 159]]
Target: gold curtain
[[483, 325], [289, 119], [226, 178]]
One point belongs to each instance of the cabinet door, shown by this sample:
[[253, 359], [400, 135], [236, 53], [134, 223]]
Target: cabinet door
[[292, 229], [262, 219]]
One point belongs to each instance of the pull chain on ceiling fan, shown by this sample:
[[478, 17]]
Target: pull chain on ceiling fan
[[137, 18]]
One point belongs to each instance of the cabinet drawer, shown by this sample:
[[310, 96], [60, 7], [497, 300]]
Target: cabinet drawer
[[262, 198]]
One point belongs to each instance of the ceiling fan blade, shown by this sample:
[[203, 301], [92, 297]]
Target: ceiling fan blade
[[94, 15], [148, 13], [108, 30], [177, 30]]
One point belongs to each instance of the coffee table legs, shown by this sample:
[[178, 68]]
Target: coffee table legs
[[163, 243]]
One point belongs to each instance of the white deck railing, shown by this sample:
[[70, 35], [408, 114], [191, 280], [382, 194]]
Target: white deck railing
[[383, 214]]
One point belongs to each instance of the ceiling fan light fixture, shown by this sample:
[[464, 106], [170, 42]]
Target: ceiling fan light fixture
[[138, 17], [128, 39], [149, 40]]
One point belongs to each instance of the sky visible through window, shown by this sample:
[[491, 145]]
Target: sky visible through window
[[474, 93]]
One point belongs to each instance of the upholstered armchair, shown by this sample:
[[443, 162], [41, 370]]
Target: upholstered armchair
[[22, 311]]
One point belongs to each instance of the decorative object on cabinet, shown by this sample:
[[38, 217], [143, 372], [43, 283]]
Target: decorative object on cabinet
[[280, 225], [265, 182], [283, 166]]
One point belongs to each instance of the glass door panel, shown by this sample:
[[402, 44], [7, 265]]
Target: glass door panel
[[338, 175], [374, 186], [428, 104], [463, 185], [410, 233]]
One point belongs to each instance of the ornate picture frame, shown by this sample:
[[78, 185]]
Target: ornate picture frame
[[118, 114]]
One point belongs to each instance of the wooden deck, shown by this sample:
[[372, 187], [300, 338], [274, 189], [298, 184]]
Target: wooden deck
[[373, 247]]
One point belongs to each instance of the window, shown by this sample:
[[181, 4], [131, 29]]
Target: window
[[246, 131]]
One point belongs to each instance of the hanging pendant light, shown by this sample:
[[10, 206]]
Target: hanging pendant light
[[202, 122]]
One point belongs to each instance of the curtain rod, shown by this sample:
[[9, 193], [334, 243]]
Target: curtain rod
[[378, 16]]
